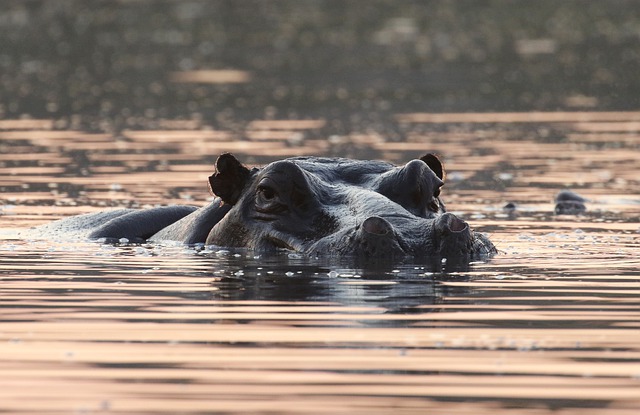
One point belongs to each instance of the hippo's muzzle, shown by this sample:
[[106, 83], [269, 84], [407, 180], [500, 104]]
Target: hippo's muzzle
[[446, 236]]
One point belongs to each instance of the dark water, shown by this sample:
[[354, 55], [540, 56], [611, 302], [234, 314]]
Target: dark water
[[105, 104], [108, 66]]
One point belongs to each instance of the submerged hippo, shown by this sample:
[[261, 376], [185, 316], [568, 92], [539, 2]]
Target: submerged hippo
[[570, 203], [567, 203], [312, 205]]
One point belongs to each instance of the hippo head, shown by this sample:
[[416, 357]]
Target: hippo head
[[339, 207]]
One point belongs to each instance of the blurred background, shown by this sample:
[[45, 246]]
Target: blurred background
[[129, 64]]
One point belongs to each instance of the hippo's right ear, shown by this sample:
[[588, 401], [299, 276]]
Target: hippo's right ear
[[229, 179], [434, 164]]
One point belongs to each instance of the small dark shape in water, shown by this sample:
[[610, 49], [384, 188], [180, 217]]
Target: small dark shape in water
[[570, 203], [509, 207], [324, 207]]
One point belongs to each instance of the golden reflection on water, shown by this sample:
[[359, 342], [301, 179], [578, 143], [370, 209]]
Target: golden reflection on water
[[551, 325]]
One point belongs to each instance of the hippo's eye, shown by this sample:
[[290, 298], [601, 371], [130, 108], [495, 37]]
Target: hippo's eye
[[268, 200], [266, 192]]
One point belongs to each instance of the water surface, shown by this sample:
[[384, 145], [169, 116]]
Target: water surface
[[550, 325]]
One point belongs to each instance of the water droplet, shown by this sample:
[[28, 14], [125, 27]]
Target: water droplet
[[505, 176]]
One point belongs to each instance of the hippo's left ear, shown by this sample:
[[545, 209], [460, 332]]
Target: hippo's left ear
[[229, 179], [434, 164]]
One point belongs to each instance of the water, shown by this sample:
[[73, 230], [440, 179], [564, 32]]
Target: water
[[550, 324], [128, 104]]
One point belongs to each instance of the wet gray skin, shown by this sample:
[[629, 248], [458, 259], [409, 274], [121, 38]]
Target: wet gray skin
[[342, 207], [317, 206]]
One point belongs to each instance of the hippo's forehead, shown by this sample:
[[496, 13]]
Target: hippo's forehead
[[346, 171]]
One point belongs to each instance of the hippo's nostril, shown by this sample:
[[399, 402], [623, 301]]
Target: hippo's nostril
[[457, 225], [451, 223], [377, 226]]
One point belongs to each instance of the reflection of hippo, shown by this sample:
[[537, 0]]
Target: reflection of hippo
[[317, 206]]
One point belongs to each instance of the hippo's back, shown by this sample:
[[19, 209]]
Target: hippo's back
[[132, 224], [76, 227]]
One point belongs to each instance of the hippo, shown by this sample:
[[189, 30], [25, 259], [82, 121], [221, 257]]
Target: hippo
[[569, 203], [316, 206]]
